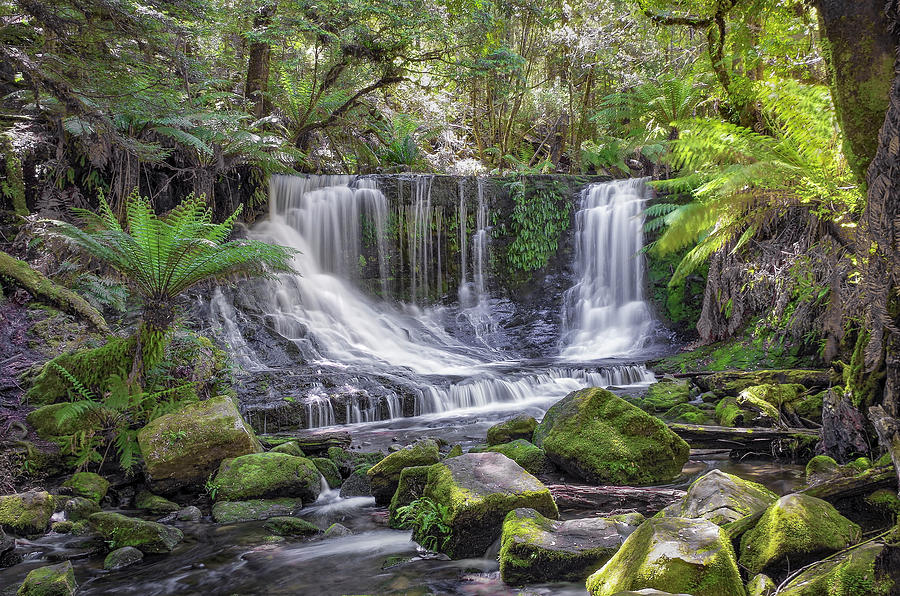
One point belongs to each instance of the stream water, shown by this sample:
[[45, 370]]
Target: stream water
[[391, 372]]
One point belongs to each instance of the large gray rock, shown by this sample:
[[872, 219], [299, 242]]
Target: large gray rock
[[185, 448], [476, 491], [534, 549], [26, 513], [721, 498], [676, 554], [122, 558], [148, 537]]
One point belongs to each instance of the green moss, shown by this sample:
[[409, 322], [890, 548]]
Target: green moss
[[88, 485], [860, 464], [289, 447], [688, 414], [26, 513], [665, 395], [410, 487], [149, 537], [45, 422], [385, 475], [794, 527], [254, 509], [51, 580], [885, 501], [884, 460], [601, 438], [13, 186], [524, 453], [155, 503], [729, 413], [91, 367], [327, 469], [455, 451], [851, 573], [61, 527], [348, 461], [821, 465], [520, 427], [760, 585], [266, 475], [290, 526]]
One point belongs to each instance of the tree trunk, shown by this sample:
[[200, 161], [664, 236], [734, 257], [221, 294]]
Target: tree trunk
[[259, 62], [859, 50]]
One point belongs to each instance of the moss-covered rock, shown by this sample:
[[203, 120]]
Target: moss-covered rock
[[289, 447], [859, 465], [357, 484], [851, 573], [88, 485], [747, 409], [534, 549], [721, 498], [350, 461], [290, 526], [455, 451], [91, 367], [51, 580], [385, 475], [26, 513], [122, 558], [665, 395], [524, 453], [733, 382], [798, 527], [45, 422], [477, 490], [676, 554], [265, 476], [225, 512], [61, 527], [886, 502], [185, 448], [807, 406], [79, 508], [410, 487], [520, 427], [155, 503], [822, 468], [148, 537], [687, 414], [761, 585], [603, 439], [328, 470], [729, 413]]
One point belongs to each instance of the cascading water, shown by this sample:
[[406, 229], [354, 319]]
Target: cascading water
[[473, 296], [606, 314], [372, 360]]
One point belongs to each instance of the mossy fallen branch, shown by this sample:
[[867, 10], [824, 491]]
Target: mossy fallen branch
[[39, 285]]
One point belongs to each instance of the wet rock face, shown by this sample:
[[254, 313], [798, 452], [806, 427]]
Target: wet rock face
[[121, 558], [267, 475], [181, 450], [254, 509], [681, 555], [797, 528], [26, 513], [148, 537], [524, 453], [721, 498], [601, 438], [534, 549]]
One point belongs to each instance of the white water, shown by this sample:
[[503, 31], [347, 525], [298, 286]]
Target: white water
[[473, 296], [606, 314], [333, 323]]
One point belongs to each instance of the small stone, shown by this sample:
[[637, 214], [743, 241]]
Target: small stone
[[88, 485], [189, 514], [337, 530], [122, 557], [290, 526], [520, 427], [51, 580], [79, 508]]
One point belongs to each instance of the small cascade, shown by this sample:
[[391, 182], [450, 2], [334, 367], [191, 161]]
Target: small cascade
[[606, 314], [474, 298], [423, 244]]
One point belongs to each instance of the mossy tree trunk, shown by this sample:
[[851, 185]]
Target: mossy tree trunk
[[12, 184], [859, 49]]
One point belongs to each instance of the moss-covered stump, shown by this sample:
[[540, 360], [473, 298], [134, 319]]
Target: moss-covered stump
[[761, 585], [676, 554], [520, 427], [122, 558], [154, 503], [524, 453], [266, 476], [410, 487], [534, 549], [289, 447], [182, 450], [148, 537], [721, 498], [26, 513], [478, 490], [687, 414], [603, 439], [385, 475], [328, 471], [225, 512], [851, 573], [290, 526], [88, 485], [47, 425], [733, 382], [79, 508], [52, 580], [665, 395], [797, 527]]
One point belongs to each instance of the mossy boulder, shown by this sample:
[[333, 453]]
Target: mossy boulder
[[851, 573], [733, 382], [26, 513], [225, 512], [45, 421], [349, 462], [122, 558], [886, 502], [155, 503], [603, 439], [50, 580], [385, 475], [88, 485], [524, 453], [797, 527], [79, 508], [477, 491], [822, 468], [535, 549], [289, 447], [61, 527], [520, 427], [721, 498], [328, 470], [266, 476], [679, 555], [147, 536], [290, 526], [357, 484], [410, 487], [729, 413], [687, 414], [665, 395], [182, 449], [455, 451]]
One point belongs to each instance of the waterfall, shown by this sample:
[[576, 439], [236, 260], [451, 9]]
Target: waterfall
[[605, 312], [474, 299]]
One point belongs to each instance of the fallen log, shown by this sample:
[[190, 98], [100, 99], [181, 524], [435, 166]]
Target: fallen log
[[647, 500], [791, 441], [312, 442], [835, 489]]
